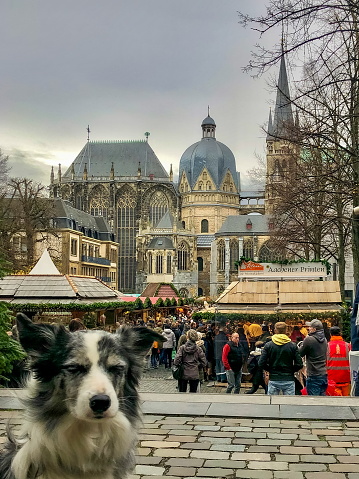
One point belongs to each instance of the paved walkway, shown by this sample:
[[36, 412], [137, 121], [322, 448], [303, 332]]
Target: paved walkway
[[235, 436], [224, 436]]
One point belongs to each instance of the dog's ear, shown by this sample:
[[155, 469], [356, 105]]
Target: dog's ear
[[139, 339], [38, 338]]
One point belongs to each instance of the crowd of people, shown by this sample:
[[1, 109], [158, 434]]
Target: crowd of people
[[310, 358]]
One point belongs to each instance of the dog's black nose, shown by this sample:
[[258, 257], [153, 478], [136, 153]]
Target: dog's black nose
[[100, 403]]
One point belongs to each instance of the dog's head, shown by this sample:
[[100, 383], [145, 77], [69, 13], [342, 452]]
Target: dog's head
[[93, 374]]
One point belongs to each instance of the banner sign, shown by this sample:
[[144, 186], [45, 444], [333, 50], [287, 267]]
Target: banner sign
[[293, 270]]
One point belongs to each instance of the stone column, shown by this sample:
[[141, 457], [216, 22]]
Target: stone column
[[213, 271], [226, 261]]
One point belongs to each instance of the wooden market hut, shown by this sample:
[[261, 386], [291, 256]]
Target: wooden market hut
[[271, 297], [45, 288]]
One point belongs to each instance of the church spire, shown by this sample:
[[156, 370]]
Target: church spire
[[270, 126], [283, 115]]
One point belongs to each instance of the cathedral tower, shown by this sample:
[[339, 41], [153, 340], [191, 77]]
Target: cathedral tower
[[280, 130]]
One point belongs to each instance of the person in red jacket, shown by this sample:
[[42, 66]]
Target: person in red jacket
[[338, 362], [232, 357]]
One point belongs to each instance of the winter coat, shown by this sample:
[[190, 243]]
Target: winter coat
[[233, 356], [192, 357], [177, 334], [170, 339], [219, 341], [314, 348], [338, 365], [280, 360]]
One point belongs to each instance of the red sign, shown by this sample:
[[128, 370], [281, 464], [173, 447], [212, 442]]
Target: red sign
[[251, 266]]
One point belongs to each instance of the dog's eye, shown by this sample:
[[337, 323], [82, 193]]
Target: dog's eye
[[116, 369], [76, 368]]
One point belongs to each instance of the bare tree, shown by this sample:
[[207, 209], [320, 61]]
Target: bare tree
[[324, 36], [25, 219], [4, 170]]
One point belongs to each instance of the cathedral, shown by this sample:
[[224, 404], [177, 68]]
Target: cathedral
[[191, 232]]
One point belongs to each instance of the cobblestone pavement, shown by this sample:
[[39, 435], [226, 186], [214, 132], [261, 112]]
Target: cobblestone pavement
[[160, 381], [195, 447], [201, 447]]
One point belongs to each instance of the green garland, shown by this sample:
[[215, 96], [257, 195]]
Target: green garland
[[325, 262]]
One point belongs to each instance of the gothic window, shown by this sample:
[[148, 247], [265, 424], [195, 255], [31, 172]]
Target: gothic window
[[99, 203], [183, 224], [126, 236], [158, 207], [221, 258], [204, 226], [209, 186], [149, 263], [183, 292], [159, 264], [204, 176], [234, 254], [200, 263], [169, 264], [182, 256], [267, 254], [200, 186], [200, 292], [248, 248]]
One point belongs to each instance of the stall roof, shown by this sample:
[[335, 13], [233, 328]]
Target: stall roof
[[160, 290], [267, 297], [45, 284]]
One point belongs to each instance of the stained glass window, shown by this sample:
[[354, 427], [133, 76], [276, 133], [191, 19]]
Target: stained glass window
[[99, 203], [158, 207], [221, 252], [248, 248], [182, 257], [126, 235], [234, 254]]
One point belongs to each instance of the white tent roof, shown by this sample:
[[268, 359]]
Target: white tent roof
[[45, 265]]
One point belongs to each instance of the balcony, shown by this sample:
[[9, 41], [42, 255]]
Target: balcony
[[93, 260]]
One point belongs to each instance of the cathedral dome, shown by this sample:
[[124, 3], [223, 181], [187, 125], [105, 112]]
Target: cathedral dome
[[208, 153], [208, 121]]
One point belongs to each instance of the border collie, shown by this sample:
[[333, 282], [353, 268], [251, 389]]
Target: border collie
[[82, 406]]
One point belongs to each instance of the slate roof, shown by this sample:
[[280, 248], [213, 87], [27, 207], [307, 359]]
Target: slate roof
[[283, 115], [211, 154], [237, 224], [125, 156], [204, 241], [167, 221], [66, 216], [161, 242]]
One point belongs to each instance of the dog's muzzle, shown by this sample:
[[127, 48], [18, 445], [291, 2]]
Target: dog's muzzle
[[100, 403]]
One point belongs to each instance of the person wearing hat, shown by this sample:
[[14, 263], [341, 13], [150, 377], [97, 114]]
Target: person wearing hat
[[314, 348]]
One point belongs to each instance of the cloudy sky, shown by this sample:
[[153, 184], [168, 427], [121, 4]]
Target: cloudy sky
[[124, 68]]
